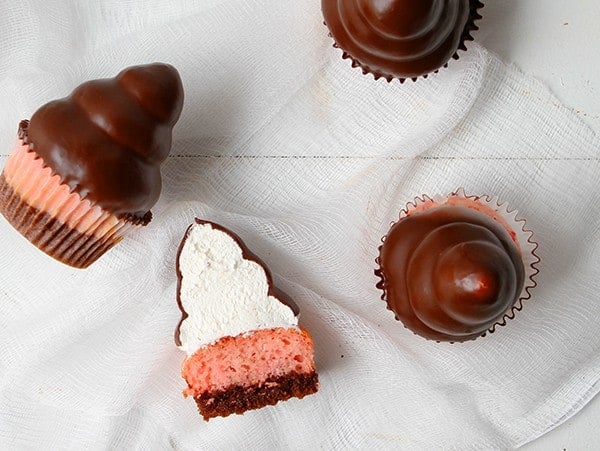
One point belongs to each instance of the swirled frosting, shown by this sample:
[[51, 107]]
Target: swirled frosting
[[400, 38], [108, 138], [450, 273], [224, 289]]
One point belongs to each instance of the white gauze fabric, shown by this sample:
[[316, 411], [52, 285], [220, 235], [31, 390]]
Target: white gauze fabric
[[309, 162]]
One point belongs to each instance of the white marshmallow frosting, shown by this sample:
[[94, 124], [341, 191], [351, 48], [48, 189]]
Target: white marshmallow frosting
[[223, 293]]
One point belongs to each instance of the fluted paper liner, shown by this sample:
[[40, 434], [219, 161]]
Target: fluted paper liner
[[57, 220]]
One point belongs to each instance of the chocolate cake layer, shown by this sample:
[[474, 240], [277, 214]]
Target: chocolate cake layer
[[237, 399]]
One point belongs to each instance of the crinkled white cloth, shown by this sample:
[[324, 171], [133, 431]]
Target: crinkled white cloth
[[309, 161]]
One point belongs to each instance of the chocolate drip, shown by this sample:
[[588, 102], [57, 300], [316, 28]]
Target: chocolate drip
[[400, 38], [108, 138], [247, 255], [450, 273]]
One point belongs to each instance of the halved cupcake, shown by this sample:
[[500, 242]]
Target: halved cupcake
[[244, 347], [86, 168]]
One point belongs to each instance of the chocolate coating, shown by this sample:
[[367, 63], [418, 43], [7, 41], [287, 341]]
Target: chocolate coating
[[108, 138], [283, 297], [400, 38], [450, 273]]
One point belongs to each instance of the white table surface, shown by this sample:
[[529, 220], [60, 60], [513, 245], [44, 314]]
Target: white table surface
[[558, 42]]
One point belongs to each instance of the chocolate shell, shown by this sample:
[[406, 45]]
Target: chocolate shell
[[108, 138], [400, 38], [450, 272]]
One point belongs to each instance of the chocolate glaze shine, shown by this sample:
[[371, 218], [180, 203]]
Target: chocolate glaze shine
[[107, 139], [400, 38], [283, 297], [450, 273]]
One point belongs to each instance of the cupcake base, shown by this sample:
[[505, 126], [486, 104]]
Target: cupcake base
[[251, 370], [50, 235]]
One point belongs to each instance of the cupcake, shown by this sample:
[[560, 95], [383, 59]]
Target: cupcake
[[400, 38], [86, 168], [244, 348], [454, 267]]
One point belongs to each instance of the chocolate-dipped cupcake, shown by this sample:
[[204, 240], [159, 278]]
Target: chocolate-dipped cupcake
[[454, 267], [400, 38], [86, 168]]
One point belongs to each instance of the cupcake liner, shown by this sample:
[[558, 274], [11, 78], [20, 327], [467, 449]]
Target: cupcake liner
[[466, 35], [58, 221], [501, 214]]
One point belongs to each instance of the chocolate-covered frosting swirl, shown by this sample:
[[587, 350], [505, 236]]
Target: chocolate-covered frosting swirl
[[108, 138], [277, 293], [450, 273], [400, 38]]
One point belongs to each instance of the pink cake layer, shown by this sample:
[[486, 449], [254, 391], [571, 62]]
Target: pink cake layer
[[248, 359]]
